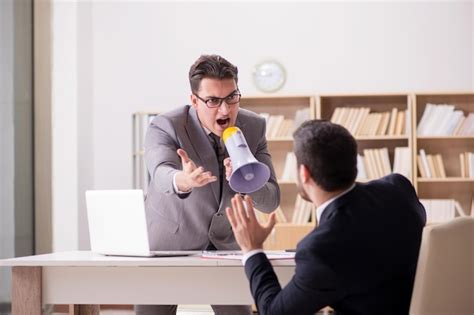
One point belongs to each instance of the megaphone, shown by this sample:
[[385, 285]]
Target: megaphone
[[248, 174]]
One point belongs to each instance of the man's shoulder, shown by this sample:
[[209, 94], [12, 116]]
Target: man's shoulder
[[396, 180], [182, 111], [179, 114]]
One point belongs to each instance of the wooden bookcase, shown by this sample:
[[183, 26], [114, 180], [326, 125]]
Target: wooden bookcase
[[285, 235], [453, 186], [377, 103]]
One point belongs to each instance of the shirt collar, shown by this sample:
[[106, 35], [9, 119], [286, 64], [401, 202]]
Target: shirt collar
[[207, 131], [321, 208]]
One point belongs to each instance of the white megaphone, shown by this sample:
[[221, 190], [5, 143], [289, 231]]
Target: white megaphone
[[248, 174]]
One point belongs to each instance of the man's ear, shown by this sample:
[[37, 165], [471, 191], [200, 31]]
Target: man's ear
[[305, 175], [193, 100]]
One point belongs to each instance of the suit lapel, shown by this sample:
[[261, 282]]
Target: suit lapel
[[203, 148]]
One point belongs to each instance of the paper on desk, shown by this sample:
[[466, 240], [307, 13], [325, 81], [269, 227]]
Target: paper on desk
[[237, 255]]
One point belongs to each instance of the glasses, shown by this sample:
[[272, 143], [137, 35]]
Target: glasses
[[215, 102]]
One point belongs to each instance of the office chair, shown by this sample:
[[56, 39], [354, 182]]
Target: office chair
[[444, 282]]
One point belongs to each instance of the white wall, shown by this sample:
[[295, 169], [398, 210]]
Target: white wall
[[139, 53], [64, 127]]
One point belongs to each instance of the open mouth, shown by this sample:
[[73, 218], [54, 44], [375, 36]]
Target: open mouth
[[223, 122]]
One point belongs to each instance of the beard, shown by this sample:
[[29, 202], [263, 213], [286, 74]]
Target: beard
[[301, 191]]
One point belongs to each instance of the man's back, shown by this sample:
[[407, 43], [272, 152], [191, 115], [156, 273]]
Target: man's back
[[370, 238], [361, 259]]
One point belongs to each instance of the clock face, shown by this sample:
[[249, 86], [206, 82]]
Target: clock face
[[269, 76]]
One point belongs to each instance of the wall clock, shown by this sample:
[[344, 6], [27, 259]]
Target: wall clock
[[269, 76]]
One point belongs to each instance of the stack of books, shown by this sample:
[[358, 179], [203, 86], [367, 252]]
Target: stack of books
[[278, 126], [431, 165], [444, 120], [361, 122], [289, 169], [441, 210], [262, 217], [302, 212]]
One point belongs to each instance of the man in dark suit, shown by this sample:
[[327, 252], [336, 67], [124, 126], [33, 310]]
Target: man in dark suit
[[361, 259]]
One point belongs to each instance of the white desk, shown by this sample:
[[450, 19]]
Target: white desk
[[82, 277]]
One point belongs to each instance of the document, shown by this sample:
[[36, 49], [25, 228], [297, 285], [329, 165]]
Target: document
[[237, 254]]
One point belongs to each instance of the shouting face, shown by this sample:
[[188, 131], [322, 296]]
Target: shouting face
[[217, 104]]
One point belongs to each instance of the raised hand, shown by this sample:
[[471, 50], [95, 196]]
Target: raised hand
[[191, 176], [249, 233]]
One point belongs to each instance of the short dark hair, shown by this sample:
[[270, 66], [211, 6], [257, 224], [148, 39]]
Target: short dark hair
[[211, 66], [329, 151]]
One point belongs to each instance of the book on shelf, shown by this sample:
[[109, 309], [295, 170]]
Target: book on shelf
[[285, 129], [423, 164], [400, 127], [361, 173], [302, 211], [361, 122], [467, 127], [375, 163], [441, 210], [431, 165], [290, 168], [262, 217], [301, 115], [278, 126], [402, 161], [467, 164], [444, 120]]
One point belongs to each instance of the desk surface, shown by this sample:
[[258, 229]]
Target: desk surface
[[83, 277], [87, 258]]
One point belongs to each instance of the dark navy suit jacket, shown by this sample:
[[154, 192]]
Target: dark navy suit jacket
[[361, 259]]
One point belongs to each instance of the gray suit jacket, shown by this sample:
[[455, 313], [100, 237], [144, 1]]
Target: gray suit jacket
[[190, 221]]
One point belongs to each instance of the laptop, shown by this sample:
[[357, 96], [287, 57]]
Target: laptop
[[117, 224]]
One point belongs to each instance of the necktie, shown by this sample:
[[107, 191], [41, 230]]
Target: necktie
[[220, 154]]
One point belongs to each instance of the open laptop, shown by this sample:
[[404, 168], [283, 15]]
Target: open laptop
[[117, 224]]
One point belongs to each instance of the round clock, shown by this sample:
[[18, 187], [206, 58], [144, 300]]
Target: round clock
[[269, 76]]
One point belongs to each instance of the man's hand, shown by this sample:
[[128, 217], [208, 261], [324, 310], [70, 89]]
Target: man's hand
[[248, 232], [191, 176], [228, 168]]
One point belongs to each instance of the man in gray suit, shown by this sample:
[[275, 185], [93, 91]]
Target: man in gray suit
[[189, 189]]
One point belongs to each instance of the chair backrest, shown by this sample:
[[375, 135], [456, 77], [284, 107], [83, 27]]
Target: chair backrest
[[444, 282]]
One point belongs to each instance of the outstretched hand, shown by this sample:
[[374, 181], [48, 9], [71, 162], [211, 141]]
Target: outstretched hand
[[249, 233], [192, 176]]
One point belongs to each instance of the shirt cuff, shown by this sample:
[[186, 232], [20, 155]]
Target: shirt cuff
[[250, 254], [175, 187]]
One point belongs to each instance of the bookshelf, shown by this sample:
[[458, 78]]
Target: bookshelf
[[440, 131], [283, 114], [140, 122], [457, 185], [381, 124]]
